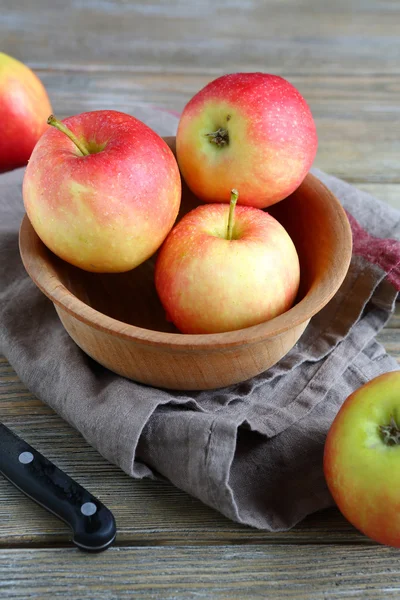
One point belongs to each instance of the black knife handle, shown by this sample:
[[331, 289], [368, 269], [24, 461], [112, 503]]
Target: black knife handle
[[93, 524]]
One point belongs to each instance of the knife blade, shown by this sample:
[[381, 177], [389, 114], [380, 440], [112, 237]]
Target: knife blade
[[93, 524]]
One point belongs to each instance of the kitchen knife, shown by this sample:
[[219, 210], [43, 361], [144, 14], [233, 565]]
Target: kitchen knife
[[93, 524]]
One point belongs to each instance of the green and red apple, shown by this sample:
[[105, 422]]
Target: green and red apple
[[24, 108], [249, 131], [362, 459], [222, 269], [102, 190]]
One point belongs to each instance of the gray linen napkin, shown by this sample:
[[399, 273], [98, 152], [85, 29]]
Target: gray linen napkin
[[254, 450]]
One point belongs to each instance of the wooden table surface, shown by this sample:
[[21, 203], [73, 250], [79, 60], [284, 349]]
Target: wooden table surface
[[344, 56]]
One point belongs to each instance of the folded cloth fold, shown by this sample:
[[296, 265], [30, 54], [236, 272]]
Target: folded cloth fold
[[253, 450]]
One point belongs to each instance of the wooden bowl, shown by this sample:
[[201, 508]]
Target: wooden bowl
[[118, 320]]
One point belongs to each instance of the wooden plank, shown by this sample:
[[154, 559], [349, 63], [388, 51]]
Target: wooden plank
[[291, 36], [155, 513], [306, 572], [357, 118]]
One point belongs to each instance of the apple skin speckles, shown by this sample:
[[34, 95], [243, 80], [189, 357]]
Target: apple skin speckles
[[209, 284], [272, 139], [24, 108], [110, 210], [361, 463]]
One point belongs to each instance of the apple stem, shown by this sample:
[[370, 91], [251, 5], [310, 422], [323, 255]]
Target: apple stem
[[390, 433], [61, 127], [231, 217]]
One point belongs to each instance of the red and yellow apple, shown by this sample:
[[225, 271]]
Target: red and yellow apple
[[222, 269], [24, 108], [102, 190], [362, 459], [250, 131]]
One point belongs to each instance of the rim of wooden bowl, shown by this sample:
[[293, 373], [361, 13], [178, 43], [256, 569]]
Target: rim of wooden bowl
[[33, 254]]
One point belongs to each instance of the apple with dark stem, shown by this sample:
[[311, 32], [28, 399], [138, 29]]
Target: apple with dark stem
[[24, 108], [362, 459], [250, 131], [225, 268], [102, 190]]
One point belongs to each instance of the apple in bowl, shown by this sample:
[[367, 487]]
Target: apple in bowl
[[249, 131], [102, 190], [226, 268]]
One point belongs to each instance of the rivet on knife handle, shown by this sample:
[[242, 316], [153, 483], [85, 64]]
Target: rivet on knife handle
[[92, 523]]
